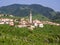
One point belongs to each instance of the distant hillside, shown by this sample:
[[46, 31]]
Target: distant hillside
[[56, 18], [23, 10]]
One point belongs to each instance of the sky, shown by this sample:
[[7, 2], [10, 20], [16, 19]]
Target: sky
[[54, 4]]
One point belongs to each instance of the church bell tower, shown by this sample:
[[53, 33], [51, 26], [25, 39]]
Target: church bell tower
[[31, 17]]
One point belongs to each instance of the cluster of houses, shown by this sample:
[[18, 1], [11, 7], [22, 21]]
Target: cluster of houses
[[50, 23], [7, 21], [31, 24], [1, 15], [22, 23]]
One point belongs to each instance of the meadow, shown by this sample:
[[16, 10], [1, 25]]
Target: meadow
[[48, 35]]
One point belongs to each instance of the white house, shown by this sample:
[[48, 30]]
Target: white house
[[38, 23], [41, 25]]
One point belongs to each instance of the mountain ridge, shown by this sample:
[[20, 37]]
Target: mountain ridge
[[23, 10]]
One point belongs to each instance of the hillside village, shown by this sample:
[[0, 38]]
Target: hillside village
[[30, 23]]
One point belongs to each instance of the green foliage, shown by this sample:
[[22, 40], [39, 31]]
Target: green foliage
[[48, 35], [56, 18], [40, 17], [23, 10]]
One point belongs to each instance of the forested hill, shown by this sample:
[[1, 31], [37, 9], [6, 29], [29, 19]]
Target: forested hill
[[23, 10]]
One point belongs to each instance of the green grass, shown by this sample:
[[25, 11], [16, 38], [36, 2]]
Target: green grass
[[39, 17], [15, 17], [49, 35]]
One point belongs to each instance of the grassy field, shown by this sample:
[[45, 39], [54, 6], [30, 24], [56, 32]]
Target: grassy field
[[49, 35]]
